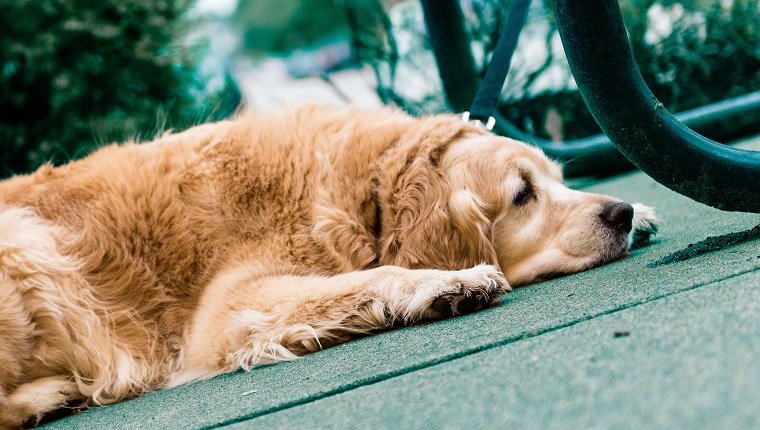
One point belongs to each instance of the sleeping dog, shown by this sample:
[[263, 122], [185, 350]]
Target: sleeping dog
[[263, 238]]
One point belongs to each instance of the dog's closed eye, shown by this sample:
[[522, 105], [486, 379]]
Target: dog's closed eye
[[524, 195]]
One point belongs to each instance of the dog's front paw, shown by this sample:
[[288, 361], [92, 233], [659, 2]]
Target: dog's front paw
[[645, 225], [470, 290]]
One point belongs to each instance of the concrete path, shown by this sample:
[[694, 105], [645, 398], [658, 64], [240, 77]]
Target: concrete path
[[668, 338]]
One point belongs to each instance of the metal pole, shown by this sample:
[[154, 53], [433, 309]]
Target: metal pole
[[600, 58], [596, 155], [448, 38]]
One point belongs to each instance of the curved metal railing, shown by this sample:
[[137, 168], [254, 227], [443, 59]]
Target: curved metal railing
[[602, 63], [600, 57]]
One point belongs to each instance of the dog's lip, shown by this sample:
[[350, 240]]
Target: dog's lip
[[620, 253], [599, 261]]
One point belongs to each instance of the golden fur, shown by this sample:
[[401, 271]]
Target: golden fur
[[263, 238]]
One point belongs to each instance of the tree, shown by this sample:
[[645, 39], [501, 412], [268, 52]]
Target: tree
[[77, 73]]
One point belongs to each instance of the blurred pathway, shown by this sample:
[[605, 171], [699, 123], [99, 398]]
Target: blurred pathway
[[267, 85]]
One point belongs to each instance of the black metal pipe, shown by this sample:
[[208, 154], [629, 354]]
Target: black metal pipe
[[451, 45], [596, 155], [602, 63], [709, 115]]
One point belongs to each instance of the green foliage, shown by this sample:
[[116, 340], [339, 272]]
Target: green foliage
[[76, 73], [279, 26], [712, 52]]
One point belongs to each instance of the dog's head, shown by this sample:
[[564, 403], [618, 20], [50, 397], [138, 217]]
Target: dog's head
[[471, 197]]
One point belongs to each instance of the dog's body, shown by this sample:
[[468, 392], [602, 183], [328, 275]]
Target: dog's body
[[264, 238]]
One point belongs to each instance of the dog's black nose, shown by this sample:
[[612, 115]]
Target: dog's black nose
[[618, 216]]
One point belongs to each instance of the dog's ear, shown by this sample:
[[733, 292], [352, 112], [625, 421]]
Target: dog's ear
[[468, 215], [426, 223], [432, 226]]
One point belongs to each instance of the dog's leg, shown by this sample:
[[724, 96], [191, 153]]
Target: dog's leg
[[31, 401], [49, 322], [244, 320]]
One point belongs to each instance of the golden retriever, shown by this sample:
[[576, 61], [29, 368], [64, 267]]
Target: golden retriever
[[267, 237]]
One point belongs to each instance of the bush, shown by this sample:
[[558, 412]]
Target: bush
[[710, 52], [77, 73]]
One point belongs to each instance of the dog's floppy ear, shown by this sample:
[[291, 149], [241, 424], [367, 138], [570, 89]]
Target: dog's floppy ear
[[469, 218], [426, 224]]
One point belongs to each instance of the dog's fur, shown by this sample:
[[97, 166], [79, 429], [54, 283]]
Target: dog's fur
[[264, 238]]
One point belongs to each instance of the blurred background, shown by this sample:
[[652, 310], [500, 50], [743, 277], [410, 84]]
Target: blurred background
[[80, 73]]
